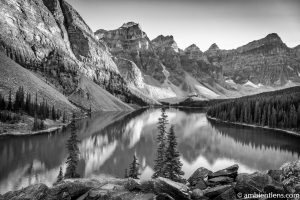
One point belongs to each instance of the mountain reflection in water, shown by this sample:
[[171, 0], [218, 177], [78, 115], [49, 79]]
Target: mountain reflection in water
[[110, 139]]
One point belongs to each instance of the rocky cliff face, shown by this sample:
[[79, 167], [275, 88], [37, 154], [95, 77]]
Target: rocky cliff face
[[50, 38], [267, 61], [137, 60], [130, 42], [168, 52]]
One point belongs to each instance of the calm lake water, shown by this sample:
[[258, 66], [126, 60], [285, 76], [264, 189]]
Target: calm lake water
[[109, 140]]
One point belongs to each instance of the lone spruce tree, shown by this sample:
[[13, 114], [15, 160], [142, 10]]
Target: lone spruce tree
[[173, 165], [126, 173], [134, 168], [60, 176], [73, 150], [161, 140]]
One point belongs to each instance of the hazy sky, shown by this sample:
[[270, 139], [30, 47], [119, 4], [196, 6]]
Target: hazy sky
[[229, 23]]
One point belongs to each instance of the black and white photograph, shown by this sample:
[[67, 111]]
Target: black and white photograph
[[149, 99]]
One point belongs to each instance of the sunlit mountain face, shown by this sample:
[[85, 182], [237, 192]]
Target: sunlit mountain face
[[108, 142]]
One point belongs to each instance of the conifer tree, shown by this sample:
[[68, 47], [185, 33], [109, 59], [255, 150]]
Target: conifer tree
[[64, 117], [60, 176], [134, 168], [2, 103], [28, 103], [35, 124], [293, 117], [173, 165], [53, 113], [298, 115], [161, 140], [126, 173], [73, 150], [10, 105]]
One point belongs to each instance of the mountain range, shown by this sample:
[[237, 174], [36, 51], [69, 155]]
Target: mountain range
[[119, 69]]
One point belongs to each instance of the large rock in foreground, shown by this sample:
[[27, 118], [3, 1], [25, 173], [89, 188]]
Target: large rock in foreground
[[291, 175], [231, 171], [257, 183], [167, 186], [68, 189], [33, 192], [199, 175]]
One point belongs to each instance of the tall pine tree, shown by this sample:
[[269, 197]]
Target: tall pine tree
[[60, 176], [161, 140], [173, 165], [10, 104], [73, 150], [134, 168]]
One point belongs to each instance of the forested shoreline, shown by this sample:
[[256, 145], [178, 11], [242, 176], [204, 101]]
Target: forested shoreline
[[278, 109], [14, 107]]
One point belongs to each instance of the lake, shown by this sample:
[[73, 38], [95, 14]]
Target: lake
[[108, 141]]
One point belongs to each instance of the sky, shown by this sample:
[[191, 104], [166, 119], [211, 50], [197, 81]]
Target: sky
[[228, 23]]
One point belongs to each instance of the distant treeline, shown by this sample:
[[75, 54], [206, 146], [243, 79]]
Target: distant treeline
[[277, 109], [10, 110], [189, 102]]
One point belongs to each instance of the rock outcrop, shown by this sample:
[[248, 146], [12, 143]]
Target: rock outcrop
[[165, 189], [216, 73], [138, 62], [150, 67], [51, 39], [267, 61]]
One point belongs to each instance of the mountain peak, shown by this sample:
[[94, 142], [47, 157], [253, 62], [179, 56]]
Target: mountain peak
[[164, 38], [129, 24], [192, 47], [273, 36], [193, 52], [165, 41], [214, 46]]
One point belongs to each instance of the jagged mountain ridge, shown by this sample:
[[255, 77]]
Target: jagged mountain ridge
[[267, 61], [153, 59], [52, 40], [258, 66]]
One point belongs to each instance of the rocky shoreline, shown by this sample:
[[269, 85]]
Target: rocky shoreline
[[203, 184]]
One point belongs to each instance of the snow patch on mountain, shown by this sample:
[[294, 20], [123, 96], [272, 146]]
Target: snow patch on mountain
[[205, 91], [250, 84], [230, 81]]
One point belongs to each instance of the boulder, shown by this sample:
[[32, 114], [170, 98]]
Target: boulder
[[291, 175], [231, 171], [297, 189], [66, 196], [174, 189], [222, 180], [197, 194], [95, 194], [199, 175], [110, 186], [275, 174], [73, 188], [33, 192], [133, 184], [256, 183], [163, 196], [216, 191], [126, 195], [201, 184], [227, 195], [274, 188]]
